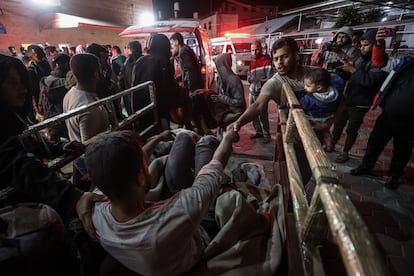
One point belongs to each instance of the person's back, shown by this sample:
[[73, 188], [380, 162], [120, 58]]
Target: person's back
[[165, 237], [190, 68], [85, 67], [133, 51], [117, 60], [155, 67], [52, 92], [38, 68]]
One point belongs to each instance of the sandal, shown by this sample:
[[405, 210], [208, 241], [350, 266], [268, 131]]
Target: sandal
[[342, 157]]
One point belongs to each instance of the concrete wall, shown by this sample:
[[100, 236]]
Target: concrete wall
[[22, 30], [217, 24]]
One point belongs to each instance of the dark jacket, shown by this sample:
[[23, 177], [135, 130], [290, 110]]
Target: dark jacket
[[125, 77], [364, 83], [22, 170], [399, 100], [36, 72], [156, 67], [190, 69]]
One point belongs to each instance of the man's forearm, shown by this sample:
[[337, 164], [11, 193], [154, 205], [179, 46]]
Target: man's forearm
[[249, 115], [224, 150]]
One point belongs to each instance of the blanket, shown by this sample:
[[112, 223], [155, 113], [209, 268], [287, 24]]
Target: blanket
[[252, 233]]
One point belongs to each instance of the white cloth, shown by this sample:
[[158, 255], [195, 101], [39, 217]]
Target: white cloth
[[165, 239], [86, 125]]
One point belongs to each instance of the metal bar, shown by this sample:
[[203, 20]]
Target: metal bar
[[61, 117], [312, 7]]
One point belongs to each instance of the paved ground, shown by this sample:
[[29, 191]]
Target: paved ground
[[389, 214]]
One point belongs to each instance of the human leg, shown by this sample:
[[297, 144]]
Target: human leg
[[256, 121], [179, 168], [403, 145], [204, 151], [339, 125], [264, 121], [327, 139], [79, 171], [356, 117], [377, 140]]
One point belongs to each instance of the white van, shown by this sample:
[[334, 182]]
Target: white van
[[240, 50], [194, 36]]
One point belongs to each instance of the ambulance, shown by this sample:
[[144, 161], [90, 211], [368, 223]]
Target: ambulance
[[239, 47], [194, 36]]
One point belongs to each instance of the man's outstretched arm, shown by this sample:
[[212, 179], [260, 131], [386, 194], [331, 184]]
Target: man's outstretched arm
[[224, 150], [252, 112]]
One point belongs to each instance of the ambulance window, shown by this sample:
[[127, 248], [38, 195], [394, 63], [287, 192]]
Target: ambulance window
[[228, 48]]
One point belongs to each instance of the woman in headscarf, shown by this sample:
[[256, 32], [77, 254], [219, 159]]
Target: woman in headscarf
[[155, 67]]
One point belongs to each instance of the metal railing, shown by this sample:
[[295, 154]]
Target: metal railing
[[330, 207], [108, 102]]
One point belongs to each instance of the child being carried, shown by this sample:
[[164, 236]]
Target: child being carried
[[320, 103]]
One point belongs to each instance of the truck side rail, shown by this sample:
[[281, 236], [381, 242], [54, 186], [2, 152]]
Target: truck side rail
[[115, 125], [330, 207]]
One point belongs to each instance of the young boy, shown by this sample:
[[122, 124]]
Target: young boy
[[320, 103]]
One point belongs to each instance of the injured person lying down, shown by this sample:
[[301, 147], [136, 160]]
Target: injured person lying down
[[192, 227]]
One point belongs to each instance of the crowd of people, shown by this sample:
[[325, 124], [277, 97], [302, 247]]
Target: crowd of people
[[169, 236], [54, 82], [356, 70]]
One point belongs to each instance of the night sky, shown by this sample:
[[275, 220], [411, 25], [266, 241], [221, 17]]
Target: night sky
[[203, 7]]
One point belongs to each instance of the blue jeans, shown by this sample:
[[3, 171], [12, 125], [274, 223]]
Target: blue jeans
[[185, 160], [261, 123], [79, 170]]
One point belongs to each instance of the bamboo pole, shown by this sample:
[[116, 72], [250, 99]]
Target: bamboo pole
[[329, 204], [320, 165], [290, 129], [311, 259], [300, 205], [355, 243]]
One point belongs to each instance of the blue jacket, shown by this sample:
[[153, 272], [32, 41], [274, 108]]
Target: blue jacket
[[320, 105]]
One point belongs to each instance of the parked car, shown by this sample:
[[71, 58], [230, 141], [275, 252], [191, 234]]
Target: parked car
[[194, 36]]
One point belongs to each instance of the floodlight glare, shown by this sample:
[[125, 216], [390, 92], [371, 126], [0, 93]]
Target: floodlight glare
[[146, 18], [47, 2]]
